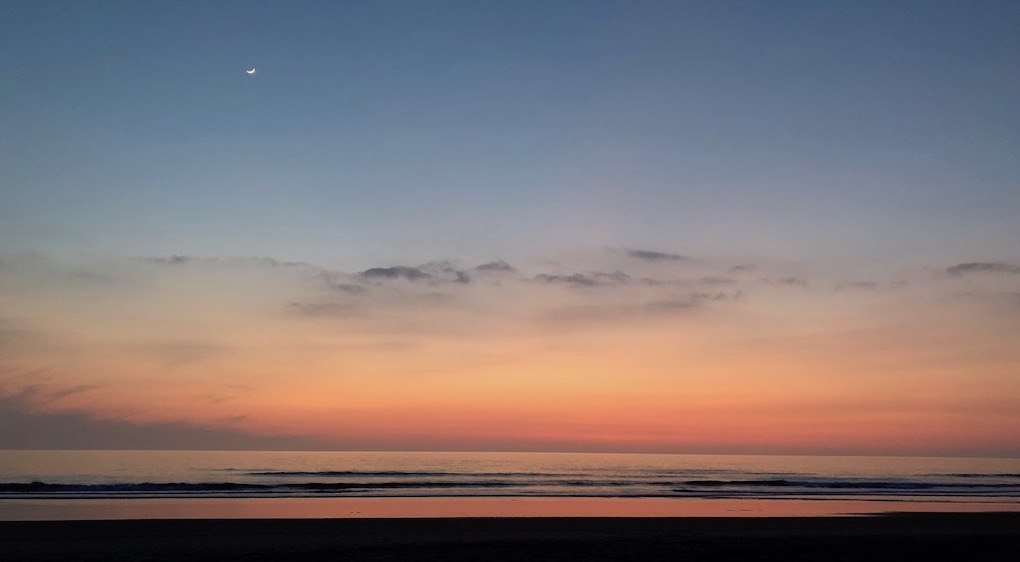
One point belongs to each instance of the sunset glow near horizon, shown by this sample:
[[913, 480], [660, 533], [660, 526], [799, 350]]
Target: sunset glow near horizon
[[663, 227]]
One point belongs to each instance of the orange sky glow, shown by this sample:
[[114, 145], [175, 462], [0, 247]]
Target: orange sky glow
[[668, 357]]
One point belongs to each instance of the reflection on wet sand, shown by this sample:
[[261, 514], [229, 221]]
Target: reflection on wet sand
[[445, 507]]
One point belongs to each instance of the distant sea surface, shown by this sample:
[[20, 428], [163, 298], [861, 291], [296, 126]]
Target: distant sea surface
[[34, 477], [125, 474]]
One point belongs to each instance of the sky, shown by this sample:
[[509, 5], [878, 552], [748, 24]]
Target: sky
[[721, 227]]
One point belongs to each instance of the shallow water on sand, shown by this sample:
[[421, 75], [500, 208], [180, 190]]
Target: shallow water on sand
[[129, 484], [371, 508]]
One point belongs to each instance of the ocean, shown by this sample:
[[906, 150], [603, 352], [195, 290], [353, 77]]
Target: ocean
[[40, 478]]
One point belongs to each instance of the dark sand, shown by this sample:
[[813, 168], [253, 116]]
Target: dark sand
[[900, 537]]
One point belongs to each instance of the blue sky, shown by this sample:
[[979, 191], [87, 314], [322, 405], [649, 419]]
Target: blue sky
[[401, 131]]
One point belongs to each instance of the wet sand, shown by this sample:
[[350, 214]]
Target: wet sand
[[469, 507], [899, 536]]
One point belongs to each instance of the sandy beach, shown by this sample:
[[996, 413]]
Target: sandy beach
[[901, 536]]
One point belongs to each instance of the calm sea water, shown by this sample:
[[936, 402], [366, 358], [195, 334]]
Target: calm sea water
[[38, 475]]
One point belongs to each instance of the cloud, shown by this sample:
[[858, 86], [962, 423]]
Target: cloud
[[183, 259], [597, 313], [396, 272], [171, 260], [445, 271], [498, 266], [22, 429], [1009, 300], [786, 282], [615, 277], [649, 255], [716, 280], [40, 394], [342, 282], [347, 287], [576, 279], [324, 309], [983, 267], [434, 272], [594, 279], [858, 286], [686, 303], [693, 300]]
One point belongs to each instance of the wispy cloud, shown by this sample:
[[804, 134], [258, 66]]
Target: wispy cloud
[[44, 393], [691, 301], [183, 260], [858, 286], [593, 279], [799, 282], [321, 309], [651, 255], [984, 267]]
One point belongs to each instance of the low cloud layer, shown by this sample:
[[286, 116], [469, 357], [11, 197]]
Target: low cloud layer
[[22, 429]]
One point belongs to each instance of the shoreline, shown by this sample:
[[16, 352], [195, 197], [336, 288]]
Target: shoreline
[[884, 536]]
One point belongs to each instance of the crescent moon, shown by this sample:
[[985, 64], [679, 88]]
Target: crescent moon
[[252, 71]]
